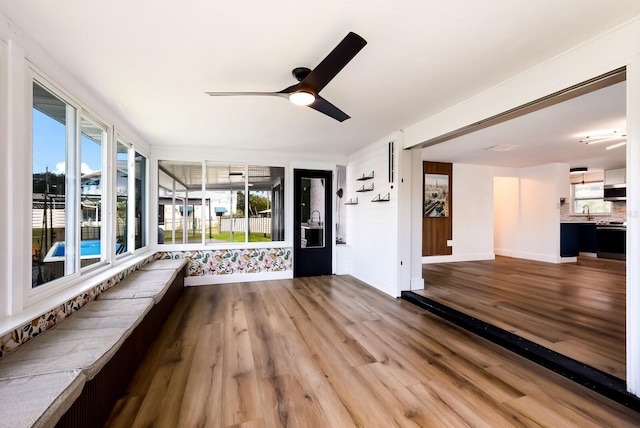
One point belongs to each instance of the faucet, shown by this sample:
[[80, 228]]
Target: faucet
[[589, 216], [313, 218]]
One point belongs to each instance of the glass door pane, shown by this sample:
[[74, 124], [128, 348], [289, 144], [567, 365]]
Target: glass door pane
[[312, 233]]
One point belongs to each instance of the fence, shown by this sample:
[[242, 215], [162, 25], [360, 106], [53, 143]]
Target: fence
[[256, 224]]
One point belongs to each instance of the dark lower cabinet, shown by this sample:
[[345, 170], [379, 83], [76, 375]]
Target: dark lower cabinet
[[576, 238], [587, 238], [569, 233]]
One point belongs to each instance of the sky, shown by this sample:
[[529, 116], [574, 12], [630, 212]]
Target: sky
[[49, 147]]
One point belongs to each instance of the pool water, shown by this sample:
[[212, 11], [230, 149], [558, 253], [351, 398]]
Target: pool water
[[88, 249]]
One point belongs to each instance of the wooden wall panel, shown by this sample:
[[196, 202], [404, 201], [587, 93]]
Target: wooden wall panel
[[437, 230]]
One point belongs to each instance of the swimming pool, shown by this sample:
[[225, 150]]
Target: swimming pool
[[89, 249]]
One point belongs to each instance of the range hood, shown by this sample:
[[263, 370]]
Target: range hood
[[615, 192]]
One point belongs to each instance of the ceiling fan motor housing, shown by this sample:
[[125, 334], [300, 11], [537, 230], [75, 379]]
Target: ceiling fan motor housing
[[300, 73]]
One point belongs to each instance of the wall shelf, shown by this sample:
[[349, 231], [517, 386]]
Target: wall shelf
[[351, 202], [365, 177], [385, 198], [365, 189]]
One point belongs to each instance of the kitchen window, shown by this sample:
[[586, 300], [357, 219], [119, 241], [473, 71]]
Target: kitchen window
[[588, 198]]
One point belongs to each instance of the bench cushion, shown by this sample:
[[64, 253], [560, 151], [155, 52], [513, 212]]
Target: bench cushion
[[125, 314], [142, 284], [80, 342], [174, 264], [38, 401]]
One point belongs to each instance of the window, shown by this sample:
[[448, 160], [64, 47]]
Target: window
[[131, 198], [122, 198], [180, 201], [141, 199], [226, 194], [54, 172], [235, 203], [70, 191], [588, 198], [92, 141]]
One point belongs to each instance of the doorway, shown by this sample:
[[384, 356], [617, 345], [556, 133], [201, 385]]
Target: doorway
[[312, 236]]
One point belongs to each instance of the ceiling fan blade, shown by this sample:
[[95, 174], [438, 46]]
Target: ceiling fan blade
[[233, 94], [324, 106], [333, 63]]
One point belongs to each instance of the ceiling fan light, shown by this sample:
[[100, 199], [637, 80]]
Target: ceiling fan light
[[302, 98]]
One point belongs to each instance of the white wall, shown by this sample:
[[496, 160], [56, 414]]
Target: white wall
[[506, 201], [523, 212], [472, 212], [372, 227], [539, 216]]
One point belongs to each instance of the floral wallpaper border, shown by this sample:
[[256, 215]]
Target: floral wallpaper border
[[21, 335], [227, 262]]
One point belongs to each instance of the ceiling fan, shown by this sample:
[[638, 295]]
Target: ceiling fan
[[311, 82]]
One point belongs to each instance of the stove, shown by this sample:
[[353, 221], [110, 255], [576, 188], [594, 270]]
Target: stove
[[611, 240]]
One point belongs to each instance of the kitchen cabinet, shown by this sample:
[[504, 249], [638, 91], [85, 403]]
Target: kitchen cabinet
[[615, 176], [569, 233], [576, 238], [587, 238]]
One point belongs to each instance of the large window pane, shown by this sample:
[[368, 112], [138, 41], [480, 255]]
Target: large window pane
[[240, 203], [180, 202], [53, 209], [122, 198], [141, 203], [266, 204], [226, 197], [92, 139]]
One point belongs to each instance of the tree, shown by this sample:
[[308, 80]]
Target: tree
[[257, 203]]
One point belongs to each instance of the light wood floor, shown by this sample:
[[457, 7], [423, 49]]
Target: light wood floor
[[333, 352], [575, 309]]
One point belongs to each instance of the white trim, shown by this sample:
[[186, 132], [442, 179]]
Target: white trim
[[5, 161], [417, 283], [633, 227], [193, 281]]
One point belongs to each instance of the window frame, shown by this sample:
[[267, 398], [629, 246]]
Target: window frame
[[105, 255], [72, 193], [131, 197]]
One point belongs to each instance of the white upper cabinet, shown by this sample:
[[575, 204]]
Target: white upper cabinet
[[615, 176]]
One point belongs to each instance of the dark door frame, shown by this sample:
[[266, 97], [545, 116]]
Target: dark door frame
[[316, 260]]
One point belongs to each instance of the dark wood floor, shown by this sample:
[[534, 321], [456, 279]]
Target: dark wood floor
[[575, 309], [333, 352]]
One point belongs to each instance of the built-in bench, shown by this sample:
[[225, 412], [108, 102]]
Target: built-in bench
[[73, 374]]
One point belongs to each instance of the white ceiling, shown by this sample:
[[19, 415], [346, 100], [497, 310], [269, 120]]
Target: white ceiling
[[552, 134], [152, 60]]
